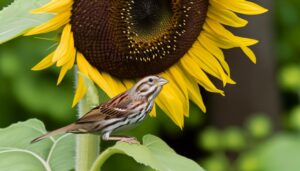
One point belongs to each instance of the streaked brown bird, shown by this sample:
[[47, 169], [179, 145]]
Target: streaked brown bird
[[127, 108]]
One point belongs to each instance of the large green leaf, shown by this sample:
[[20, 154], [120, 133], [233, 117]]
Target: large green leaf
[[153, 153], [16, 18], [17, 159], [53, 154]]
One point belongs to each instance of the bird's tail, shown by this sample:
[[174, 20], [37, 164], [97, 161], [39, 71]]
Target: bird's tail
[[65, 129]]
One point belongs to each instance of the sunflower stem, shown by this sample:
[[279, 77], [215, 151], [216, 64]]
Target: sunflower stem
[[103, 157], [87, 145]]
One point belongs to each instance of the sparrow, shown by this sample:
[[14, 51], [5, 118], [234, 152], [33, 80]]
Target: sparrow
[[125, 109]]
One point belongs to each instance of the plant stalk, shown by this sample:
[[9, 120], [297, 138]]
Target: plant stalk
[[103, 157], [87, 145]]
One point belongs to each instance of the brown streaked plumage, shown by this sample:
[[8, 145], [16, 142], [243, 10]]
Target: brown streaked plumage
[[127, 108]]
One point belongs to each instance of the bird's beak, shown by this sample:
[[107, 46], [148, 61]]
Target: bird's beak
[[162, 81]]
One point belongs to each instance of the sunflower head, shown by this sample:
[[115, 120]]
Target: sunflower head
[[115, 41], [130, 39]]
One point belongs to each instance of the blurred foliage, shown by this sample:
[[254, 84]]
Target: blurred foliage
[[31, 94], [255, 147], [259, 126], [252, 149], [287, 25], [294, 119]]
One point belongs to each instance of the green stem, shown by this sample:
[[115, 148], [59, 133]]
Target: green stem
[[103, 157], [87, 145], [87, 149]]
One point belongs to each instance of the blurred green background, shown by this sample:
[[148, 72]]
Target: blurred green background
[[254, 145]]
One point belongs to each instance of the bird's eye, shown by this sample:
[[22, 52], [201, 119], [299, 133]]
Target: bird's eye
[[150, 80]]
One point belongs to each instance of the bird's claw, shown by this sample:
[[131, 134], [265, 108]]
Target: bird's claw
[[130, 140]]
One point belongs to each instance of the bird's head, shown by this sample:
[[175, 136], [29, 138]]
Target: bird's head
[[149, 86]]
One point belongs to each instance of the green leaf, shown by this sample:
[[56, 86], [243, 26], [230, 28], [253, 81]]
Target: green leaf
[[16, 18], [53, 154], [61, 155], [17, 159], [153, 153]]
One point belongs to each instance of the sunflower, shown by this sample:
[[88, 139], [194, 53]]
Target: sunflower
[[116, 42]]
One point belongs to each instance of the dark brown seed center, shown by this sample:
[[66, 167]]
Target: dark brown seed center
[[135, 38]]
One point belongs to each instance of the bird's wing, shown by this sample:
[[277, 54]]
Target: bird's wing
[[114, 108], [92, 116]]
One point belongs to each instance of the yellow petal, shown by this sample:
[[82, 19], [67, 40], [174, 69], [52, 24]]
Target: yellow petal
[[64, 69], [220, 33], [93, 73], [249, 53], [45, 63], [116, 85], [179, 89], [171, 105], [82, 64], [214, 50], [219, 41], [55, 6], [210, 69], [68, 55], [53, 24], [100, 81], [247, 41], [209, 63], [128, 83], [225, 17], [62, 74], [240, 6], [193, 69], [64, 43], [175, 74], [153, 111], [193, 90], [80, 91]]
